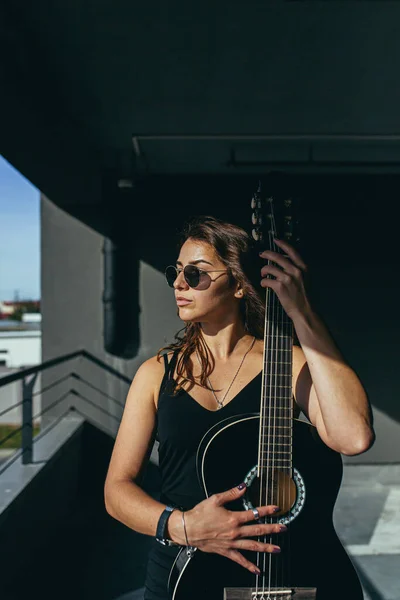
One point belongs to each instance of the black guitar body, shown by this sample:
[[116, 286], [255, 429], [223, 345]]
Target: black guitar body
[[317, 558]]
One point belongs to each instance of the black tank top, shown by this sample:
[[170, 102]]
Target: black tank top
[[182, 422]]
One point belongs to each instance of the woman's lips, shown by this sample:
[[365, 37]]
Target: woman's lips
[[183, 302]]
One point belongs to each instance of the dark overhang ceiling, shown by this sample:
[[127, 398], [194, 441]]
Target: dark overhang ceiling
[[83, 81]]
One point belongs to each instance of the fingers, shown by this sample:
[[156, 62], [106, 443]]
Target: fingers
[[293, 256], [230, 495], [245, 516], [260, 530], [255, 546], [287, 265], [276, 272], [241, 560]]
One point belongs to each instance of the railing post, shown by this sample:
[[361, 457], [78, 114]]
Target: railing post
[[27, 425]]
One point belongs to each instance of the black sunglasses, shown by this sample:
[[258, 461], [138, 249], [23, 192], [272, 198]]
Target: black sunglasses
[[192, 274]]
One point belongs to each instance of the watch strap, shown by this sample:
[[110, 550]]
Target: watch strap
[[162, 525]]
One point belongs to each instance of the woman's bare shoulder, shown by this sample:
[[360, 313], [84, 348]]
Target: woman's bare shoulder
[[153, 369]]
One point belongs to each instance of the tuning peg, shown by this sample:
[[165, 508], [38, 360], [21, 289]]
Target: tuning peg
[[254, 218], [253, 202], [257, 235]]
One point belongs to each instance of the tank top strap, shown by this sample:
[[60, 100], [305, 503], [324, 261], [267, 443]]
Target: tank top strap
[[169, 367], [172, 364]]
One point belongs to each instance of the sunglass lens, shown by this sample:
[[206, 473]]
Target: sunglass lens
[[192, 275]]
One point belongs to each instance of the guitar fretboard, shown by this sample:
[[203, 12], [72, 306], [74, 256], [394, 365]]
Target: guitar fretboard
[[275, 441]]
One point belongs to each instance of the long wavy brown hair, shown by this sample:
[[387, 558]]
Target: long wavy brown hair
[[237, 251]]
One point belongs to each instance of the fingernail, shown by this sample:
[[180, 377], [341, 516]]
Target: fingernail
[[276, 549], [257, 571], [283, 528], [277, 509], [241, 486]]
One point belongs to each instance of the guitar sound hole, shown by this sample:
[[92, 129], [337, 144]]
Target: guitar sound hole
[[278, 489]]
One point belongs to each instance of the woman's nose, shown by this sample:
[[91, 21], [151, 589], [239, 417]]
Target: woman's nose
[[180, 281]]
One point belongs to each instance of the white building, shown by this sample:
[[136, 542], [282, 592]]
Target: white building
[[20, 347]]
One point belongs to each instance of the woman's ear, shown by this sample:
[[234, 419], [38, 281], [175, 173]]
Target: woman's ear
[[239, 291]]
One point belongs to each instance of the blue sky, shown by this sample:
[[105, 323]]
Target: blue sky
[[19, 235]]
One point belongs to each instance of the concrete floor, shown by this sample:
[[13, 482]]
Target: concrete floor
[[367, 519]]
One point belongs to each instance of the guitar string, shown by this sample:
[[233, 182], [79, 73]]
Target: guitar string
[[261, 558], [262, 438], [280, 563], [286, 487], [270, 467], [268, 435], [278, 405], [262, 419], [270, 463], [274, 471], [261, 468]]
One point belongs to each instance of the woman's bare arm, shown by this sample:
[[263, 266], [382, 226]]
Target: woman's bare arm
[[124, 498]]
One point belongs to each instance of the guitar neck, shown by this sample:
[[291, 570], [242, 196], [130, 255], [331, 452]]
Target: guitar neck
[[276, 414]]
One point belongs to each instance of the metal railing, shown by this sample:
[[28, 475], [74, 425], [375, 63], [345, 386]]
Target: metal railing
[[27, 394]]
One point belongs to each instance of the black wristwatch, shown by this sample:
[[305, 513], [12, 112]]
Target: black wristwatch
[[161, 526]]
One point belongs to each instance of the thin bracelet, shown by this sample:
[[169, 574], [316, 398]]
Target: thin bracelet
[[189, 549]]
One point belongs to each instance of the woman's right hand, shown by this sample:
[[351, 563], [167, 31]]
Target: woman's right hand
[[212, 528]]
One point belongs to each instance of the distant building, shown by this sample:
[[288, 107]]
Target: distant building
[[20, 346], [7, 307], [20, 342]]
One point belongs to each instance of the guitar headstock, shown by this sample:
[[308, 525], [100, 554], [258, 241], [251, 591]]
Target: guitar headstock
[[273, 216]]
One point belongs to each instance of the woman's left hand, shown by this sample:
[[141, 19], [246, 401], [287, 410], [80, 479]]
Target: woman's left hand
[[289, 283]]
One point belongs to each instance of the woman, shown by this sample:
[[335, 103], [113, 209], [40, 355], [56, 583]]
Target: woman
[[214, 371]]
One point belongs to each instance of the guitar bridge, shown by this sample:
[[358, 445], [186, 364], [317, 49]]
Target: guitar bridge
[[270, 594]]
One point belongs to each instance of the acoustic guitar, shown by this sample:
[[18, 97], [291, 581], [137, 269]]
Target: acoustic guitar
[[283, 462]]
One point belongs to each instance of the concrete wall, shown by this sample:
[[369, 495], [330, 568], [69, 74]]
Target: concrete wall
[[349, 244], [72, 309]]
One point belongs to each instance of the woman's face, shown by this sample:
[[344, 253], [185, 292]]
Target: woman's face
[[213, 300]]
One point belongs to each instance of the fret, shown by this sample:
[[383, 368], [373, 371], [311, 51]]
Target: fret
[[271, 408], [282, 461], [285, 394], [274, 444], [277, 412], [274, 350], [270, 442], [274, 454], [277, 456], [269, 451], [278, 380], [275, 467], [269, 428], [286, 362], [280, 387]]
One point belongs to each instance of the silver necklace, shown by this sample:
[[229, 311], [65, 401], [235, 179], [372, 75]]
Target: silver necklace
[[220, 403]]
